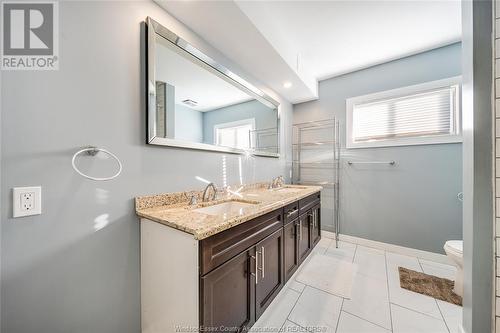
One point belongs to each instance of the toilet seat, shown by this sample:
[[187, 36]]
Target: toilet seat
[[454, 246]]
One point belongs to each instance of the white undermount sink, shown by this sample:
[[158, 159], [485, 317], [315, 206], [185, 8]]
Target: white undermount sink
[[226, 208]]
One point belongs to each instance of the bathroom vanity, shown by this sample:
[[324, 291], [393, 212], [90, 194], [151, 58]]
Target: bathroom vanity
[[216, 266]]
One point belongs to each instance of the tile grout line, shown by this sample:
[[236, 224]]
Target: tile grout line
[[388, 289], [295, 324], [435, 300], [420, 265], [343, 299], [413, 310], [340, 314], [368, 321], [441, 312], [354, 255], [326, 292], [294, 304], [435, 265]]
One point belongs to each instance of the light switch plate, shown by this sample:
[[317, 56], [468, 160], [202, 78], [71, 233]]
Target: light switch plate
[[27, 201]]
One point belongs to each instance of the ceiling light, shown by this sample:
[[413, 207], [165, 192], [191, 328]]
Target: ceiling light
[[287, 84], [190, 102]]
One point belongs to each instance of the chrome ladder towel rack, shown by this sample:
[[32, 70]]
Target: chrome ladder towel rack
[[316, 161]]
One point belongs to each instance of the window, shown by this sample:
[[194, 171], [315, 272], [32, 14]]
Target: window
[[427, 113], [234, 134]]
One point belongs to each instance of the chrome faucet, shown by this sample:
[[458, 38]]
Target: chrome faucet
[[193, 201], [276, 182], [205, 197], [280, 181]]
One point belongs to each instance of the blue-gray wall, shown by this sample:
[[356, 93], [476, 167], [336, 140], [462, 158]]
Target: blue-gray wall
[[264, 117], [188, 124], [75, 268], [414, 203]]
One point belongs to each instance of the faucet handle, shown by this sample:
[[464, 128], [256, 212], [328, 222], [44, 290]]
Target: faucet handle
[[193, 201], [276, 182]]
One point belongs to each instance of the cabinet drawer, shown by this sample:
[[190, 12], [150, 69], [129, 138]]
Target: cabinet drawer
[[219, 248], [309, 202], [291, 212]]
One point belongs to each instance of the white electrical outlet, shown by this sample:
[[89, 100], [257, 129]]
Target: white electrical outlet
[[27, 201]]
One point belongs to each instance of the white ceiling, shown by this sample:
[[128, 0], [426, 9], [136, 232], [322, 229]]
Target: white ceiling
[[337, 37], [191, 81], [305, 41], [225, 27]]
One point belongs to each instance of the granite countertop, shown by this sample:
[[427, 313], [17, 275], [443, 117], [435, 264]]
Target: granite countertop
[[173, 209]]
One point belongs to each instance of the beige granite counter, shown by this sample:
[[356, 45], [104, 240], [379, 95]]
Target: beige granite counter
[[173, 209]]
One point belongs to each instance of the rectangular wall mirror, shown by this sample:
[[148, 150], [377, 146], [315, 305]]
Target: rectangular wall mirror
[[196, 103]]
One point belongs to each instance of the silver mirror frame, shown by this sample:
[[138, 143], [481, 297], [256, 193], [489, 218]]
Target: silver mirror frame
[[153, 29]]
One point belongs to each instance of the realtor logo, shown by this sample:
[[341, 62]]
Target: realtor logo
[[30, 36]]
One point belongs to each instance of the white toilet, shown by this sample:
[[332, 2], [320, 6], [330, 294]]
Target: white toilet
[[454, 251]]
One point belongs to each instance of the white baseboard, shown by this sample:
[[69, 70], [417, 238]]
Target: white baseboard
[[436, 257]]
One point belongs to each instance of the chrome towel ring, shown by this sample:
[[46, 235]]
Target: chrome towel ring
[[92, 151]]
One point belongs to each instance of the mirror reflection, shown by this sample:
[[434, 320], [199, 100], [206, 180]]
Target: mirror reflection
[[196, 103]]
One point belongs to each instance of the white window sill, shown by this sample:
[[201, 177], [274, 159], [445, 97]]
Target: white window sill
[[435, 140]]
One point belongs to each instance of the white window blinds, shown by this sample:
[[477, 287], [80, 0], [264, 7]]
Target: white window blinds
[[236, 137], [423, 114]]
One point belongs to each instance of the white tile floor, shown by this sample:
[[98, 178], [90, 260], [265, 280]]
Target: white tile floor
[[377, 303]]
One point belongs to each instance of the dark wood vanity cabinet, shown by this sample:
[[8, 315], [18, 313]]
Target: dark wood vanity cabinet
[[242, 269]]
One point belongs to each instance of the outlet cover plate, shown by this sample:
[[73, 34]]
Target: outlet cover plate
[[27, 201]]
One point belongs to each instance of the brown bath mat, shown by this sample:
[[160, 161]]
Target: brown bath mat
[[429, 285]]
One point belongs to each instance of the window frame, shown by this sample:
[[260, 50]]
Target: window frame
[[456, 137], [231, 124]]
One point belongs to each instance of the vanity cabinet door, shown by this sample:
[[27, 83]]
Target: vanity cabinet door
[[304, 236], [290, 248], [315, 220], [228, 295], [269, 276]]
